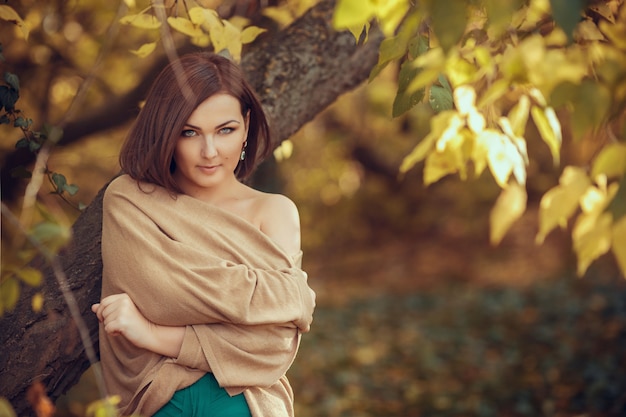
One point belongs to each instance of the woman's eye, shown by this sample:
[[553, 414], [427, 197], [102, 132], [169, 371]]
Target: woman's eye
[[226, 130], [188, 133]]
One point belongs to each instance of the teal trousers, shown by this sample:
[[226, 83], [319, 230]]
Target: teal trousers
[[204, 398]]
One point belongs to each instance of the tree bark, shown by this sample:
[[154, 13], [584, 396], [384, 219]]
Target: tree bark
[[297, 73]]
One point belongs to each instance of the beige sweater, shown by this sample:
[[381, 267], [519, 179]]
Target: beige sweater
[[184, 262]]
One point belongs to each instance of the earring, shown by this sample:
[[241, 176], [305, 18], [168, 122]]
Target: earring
[[243, 151]]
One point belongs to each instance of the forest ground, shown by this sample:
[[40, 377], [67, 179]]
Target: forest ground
[[436, 326]]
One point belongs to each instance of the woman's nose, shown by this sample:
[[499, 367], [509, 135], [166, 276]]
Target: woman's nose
[[208, 147]]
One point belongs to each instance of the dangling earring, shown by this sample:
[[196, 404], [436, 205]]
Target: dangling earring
[[243, 151]]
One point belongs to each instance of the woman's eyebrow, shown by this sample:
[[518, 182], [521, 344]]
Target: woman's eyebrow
[[227, 123], [217, 127]]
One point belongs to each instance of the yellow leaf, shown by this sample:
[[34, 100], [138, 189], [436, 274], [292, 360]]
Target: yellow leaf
[[249, 34], [284, 151], [103, 407], [549, 129], [438, 125], [592, 238], [518, 116], [509, 207], [451, 132], [353, 14], [9, 294], [588, 31], [438, 165], [476, 121], [202, 41], [185, 26], [465, 99], [611, 161], [281, 15], [145, 49], [390, 13], [459, 70], [130, 3], [418, 153], [503, 157], [6, 410], [30, 276], [10, 15], [494, 92], [37, 302], [559, 203], [198, 15], [618, 243], [230, 39], [141, 21]]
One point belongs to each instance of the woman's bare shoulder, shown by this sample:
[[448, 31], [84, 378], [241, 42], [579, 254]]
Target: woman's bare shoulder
[[280, 220]]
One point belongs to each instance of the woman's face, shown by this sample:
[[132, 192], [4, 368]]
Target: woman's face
[[210, 144]]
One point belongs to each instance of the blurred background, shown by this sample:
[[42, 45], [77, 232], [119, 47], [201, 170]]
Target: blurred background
[[418, 315]]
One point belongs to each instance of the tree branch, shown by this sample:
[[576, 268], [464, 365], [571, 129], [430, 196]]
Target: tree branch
[[297, 73]]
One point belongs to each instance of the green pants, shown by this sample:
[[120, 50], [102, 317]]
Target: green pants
[[204, 398]]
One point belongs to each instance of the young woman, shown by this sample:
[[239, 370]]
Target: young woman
[[203, 298]]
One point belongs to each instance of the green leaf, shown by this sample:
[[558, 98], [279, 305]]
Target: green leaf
[[22, 143], [8, 98], [567, 14], [21, 172], [418, 45], [33, 145], [12, 80], [440, 98], [71, 189], [449, 20], [405, 100], [53, 235], [396, 47], [22, 122], [500, 12], [53, 133], [59, 181]]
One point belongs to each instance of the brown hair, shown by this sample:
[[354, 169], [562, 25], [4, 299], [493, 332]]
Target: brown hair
[[147, 153]]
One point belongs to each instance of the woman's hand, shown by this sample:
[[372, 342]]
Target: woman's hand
[[120, 316]]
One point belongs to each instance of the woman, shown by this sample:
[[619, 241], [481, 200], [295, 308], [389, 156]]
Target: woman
[[203, 299]]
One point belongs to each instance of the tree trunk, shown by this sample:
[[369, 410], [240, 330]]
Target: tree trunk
[[297, 73]]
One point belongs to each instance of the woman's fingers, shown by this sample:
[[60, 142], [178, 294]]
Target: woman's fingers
[[112, 310]]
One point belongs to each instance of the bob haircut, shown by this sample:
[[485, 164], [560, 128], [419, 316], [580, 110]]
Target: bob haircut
[[148, 152]]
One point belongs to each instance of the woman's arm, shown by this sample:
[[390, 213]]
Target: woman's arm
[[160, 254], [120, 317], [266, 352]]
